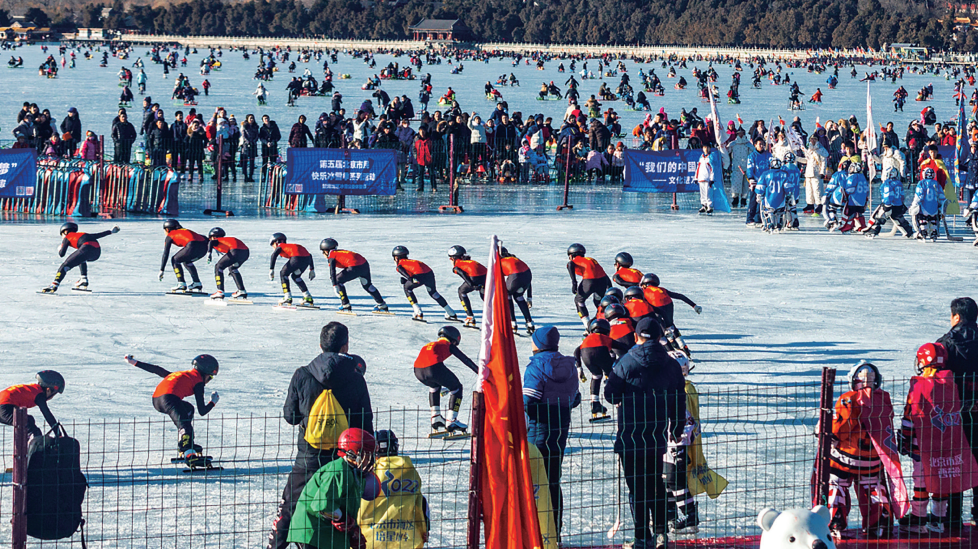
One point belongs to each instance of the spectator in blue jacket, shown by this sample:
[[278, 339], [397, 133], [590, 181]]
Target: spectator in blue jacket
[[647, 388], [550, 390], [757, 164]]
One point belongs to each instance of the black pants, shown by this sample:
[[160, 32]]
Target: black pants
[[642, 469], [419, 176], [593, 288], [753, 209], [306, 465], [677, 482], [518, 284], [123, 151], [196, 163], [230, 261], [478, 283], [968, 390], [361, 273], [437, 376], [428, 281], [7, 418], [182, 415], [193, 251], [248, 166], [294, 268], [80, 259]]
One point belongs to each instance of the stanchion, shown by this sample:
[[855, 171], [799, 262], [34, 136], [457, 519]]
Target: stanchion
[[820, 492], [19, 518], [674, 205], [452, 206], [475, 477], [220, 181], [341, 198], [565, 205]]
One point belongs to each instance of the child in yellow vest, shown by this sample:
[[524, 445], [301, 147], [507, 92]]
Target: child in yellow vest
[[393, 513], [541, 492]]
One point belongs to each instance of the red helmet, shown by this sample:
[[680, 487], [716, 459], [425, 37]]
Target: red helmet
[[931, 355], [358, 447]]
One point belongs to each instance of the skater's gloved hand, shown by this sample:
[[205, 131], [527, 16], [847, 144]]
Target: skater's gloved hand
[[161, 275], [130, 359], [208, 259], [529, 303], [312, 274], [698, 309], [115, 229], [215, 397], [357, 541], [403, 280], [580, 374], [345, 523], [271, 274], [574, 288]]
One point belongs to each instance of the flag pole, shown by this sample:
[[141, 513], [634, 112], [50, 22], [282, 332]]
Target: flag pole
[[474, 529]]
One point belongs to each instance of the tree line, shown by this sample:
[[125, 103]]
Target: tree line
[[760, 23]]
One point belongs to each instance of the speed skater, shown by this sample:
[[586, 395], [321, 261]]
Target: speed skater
[[594, 282], [473, 276], [194, 248], [299, 260], [352, 266], [235, 253], [414, 273], [661, 301], [86, 249], [431, 371]]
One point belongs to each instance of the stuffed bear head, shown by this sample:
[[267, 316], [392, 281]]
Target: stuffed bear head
[[795, 529]]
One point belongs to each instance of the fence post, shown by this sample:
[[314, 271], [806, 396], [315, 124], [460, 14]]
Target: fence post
[[475, 475], [452, 207], [674, 205], [19, 518], [820, 492], [218, 170], [565, 205], [341, 198]]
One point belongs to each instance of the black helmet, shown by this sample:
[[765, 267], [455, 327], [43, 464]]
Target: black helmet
[[171, 225], [634, 292], [387, 444], [216, 232], [69, 227], [206, 365], [576, 250], [400, 252], [456, 252], [503, 252], [615, 311], [328, 245], [615, 292], [649, 280], [277, 238], [599, 326], [450, 333], [49, 379], [624, 259], [608, 301]]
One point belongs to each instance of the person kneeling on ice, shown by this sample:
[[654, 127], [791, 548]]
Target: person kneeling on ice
[[327, 509], [352, 266], [169, 395], [856, 192], [597, 353], [891, 206], [431, 371], [859, 428], [473, 276], [299, 260], [194, 248], [49, 384], [550, 391], [770, 190], [932, 434], [926, 207], [235, 253], [87, 249], [414, 274], [398, 517]]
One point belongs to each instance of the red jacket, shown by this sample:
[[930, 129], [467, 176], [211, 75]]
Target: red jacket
[[422, 151]]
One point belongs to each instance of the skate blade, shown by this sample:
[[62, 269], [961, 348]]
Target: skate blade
[[182, 459], [459, 320], [604, 419], [387, 313], [457, 436], [203, 469], [184, 293], [472, 327], [347, 313], [438, 434], [86, 290], [233, 301], [296, 307], [419, 320], [42, 292]]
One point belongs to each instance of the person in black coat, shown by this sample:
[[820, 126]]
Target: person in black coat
[[648, 389], [123, 136], [342, 373], [72, 125], [961, 343]]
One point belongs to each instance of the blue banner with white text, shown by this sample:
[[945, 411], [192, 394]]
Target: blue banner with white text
[[669, 171], [18, 173], [341, 171]]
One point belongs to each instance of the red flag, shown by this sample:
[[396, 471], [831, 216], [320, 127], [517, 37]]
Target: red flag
[[740, 120], [508, 505]]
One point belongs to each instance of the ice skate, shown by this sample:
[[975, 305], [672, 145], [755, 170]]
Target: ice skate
[[287, 300], [914, 523], [50, 289], [457, 429], [381, 308], [307, 300], [438, 429], [599, 414], [530, 328], [82, 283], [470, 322], [345, 308], [195, 287], [218, 295], [180, 288], [240, 294]]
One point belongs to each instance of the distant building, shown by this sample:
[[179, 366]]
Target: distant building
[[446, 30]]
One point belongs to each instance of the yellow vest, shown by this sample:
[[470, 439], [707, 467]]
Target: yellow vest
[[700, 478], [395, 519], [541, 492]]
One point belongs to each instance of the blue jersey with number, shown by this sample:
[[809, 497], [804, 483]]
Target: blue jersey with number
[[771, 187], [792, 184], [757, 164], [857, 189], [929, 196], [834, 190], [892, 192]]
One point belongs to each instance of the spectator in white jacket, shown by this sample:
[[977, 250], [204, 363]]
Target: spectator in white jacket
[[480, 153], [816, 159], [705, 178], [740, 149], [891, 157]]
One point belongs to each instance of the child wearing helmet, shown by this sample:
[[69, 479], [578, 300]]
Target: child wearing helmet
[[352, 266], [415, 274], [625, 276], [49, 384], [194, 248], [770, 191], [234, 253], [792, 189], [856, 190], [473, 276], [862, 414], [835, 196], [176, 386], [891, 206], [594, 281], [926, 207], [299, 260], [87, 249], [431, 371], [662, 303], [327, 509], [398, 517]]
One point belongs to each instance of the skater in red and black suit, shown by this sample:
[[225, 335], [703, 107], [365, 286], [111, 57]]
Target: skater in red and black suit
[[597, 353], [352, 266], [473, 276], [636, 305], [661, 301], [594, 282], [86, 249], [49, 384], [622, 327], [235, 253], [194, 249], [415, 274], [519, 287], [299, 260], [176, 386], [625, 276], [430, 370]]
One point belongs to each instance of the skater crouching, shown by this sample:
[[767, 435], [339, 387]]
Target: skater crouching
[[86, 249], [49, 384], [891, 206], [194, 248], [235, 253], [431, 371]]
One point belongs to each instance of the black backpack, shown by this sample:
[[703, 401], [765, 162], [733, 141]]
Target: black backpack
[[55, 487]]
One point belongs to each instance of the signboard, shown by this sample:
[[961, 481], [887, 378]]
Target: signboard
[[341, 171], [669, 171], [18, 173]]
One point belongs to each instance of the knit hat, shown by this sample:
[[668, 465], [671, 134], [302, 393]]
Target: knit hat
[[546, 338]]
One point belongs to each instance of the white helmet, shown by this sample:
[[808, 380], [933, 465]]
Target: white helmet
[[864, 374]]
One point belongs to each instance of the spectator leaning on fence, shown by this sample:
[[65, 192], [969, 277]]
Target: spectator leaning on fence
[[648, 388], [338, 372]]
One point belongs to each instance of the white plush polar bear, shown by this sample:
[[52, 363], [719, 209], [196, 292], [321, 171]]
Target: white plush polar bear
[[795, 529]]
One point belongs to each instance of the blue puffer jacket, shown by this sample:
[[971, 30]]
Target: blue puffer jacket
[[550, 390]]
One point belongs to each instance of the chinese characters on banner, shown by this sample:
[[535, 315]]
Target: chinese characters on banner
[[341, 171], [661, 171], [18, 173]]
